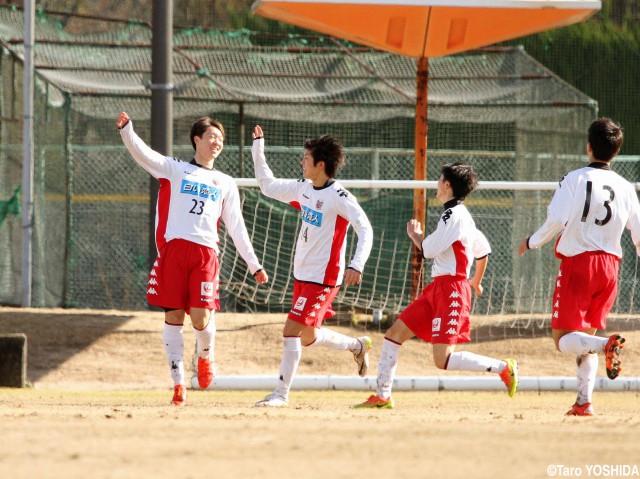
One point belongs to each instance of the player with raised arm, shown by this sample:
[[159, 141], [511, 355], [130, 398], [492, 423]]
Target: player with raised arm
[[192, 199], [327, 209], [440, 315], [590, 210]]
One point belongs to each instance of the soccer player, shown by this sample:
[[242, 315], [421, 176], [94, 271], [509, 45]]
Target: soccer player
[[440, 315], [590, 209], [327, 209], [193, 197]]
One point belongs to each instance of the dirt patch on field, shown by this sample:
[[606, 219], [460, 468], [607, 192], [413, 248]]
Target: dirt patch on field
[[79, 349]]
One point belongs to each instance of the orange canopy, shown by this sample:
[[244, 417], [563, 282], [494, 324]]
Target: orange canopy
[[427, 28]]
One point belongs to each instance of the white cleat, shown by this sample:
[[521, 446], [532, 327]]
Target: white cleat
[[362, 356], [273, 400]]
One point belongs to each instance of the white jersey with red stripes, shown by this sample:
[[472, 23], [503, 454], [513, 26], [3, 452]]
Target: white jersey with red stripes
[[326, 214], [192, 200], [591, 208], [455, 242]]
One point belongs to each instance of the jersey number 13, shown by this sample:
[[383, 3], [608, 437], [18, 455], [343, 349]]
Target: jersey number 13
[[607, 204]]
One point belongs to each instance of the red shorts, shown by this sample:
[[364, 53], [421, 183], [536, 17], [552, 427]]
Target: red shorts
[[185, 276], [311, 302], [586, 288], [440, 315]]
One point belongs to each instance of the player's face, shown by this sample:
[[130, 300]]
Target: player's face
[[443, 193], [211, 143], [309, 170]]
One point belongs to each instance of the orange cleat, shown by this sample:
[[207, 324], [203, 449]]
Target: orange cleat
[[375, 402], [585, 409], [612, 352], [205, 373], [179, 395], [509, 376]]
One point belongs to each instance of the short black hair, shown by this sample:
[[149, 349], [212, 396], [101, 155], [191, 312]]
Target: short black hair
[[605, 138], [201, 125], [328, 149], [461, 177]]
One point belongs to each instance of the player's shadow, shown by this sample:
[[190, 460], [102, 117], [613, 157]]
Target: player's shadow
[[53, 338], [527, 329]]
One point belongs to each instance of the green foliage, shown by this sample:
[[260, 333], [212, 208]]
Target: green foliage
[[10, 206], [602, 60]]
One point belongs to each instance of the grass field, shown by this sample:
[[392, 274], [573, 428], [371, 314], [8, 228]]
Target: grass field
[[136, 434]]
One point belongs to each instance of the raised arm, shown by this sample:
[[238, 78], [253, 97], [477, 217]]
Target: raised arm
[[150, 160], [279, 189]]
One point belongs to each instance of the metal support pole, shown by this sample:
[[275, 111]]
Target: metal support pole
[[27, 157], [161, 100]]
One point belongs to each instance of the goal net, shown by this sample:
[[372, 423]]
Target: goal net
[[507, 212]]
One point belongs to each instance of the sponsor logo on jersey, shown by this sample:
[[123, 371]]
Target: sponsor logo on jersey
[[319, 204], [452, 322], [206, 288], [153, 282], [455, 294], [201, 190], [435, 324], [311, 216], [454, 304], [300, 303], [451, 331], [446, 216], [454, 313], [152, 291]]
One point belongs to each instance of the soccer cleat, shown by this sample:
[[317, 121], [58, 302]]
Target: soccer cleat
[[272, 400], [509, 376], [179, 395], [205, 373], [612, 352], [362, 356], [375, 402], [585, 409]]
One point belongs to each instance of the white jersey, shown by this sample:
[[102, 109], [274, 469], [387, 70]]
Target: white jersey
[[326, 214], [192, 200], [591, 208], [455, 242]]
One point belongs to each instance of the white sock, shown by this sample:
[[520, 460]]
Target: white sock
[[334, 340], [174, 347], [387, 366], [587, 367], [291, 354], [206, 339], [581, 343], [466, 361]]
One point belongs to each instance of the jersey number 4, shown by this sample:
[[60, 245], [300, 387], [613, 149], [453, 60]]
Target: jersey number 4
[[607, 204]]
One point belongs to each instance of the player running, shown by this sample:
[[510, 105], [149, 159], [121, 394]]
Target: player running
[[193, 197], [327, 209], [590, 209], [440, 315]]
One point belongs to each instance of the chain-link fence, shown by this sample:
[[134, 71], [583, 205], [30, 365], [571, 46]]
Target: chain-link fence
[[497, 109]]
